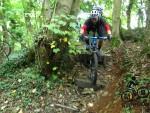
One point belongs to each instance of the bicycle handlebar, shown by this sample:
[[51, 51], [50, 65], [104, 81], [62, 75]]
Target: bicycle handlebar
[[104, 38], [101, 38]]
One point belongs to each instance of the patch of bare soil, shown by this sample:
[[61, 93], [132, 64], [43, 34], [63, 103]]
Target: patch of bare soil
[[109, 101]]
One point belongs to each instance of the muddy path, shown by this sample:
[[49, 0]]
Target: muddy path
[[108, 101]]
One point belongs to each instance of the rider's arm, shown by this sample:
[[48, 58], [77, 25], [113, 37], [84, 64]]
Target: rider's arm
[[84, 33], [83, 30], [106, 26]]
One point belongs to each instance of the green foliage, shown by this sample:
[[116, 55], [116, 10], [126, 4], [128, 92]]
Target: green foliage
[[115, 42], [136, 35], [127, 110], [56, 50], [127, 63], [146, 47], [14, 16], [86, 6], [144, 80], [128, 76], [60, 40], [146, 50], [64, 28], [26, 85], [16, 61]]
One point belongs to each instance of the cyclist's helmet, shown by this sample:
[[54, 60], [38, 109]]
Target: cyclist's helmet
[[99, 9], [94, 13]]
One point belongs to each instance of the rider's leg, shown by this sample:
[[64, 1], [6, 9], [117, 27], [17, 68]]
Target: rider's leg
[[100, 44]]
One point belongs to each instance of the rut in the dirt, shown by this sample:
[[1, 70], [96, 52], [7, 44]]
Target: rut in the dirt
[[108, 101]]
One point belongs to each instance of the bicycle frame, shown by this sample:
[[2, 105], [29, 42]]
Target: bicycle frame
[[93, 43], [93, 47]]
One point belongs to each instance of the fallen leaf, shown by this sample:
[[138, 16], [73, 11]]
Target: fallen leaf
[[6, 102], [14, 91], [87, 91], [90, 104], [34, 90], [20, 111], [65, 40], [47, 62], [19, 80], [52, 105], [105, 93], [3, 107]]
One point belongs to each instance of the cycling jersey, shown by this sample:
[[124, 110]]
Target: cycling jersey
[[100, 27]]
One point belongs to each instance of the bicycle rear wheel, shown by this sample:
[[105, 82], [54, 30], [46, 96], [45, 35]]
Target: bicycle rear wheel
[[143, 92]]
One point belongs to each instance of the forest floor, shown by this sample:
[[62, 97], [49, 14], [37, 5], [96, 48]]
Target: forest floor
[[25, 91]]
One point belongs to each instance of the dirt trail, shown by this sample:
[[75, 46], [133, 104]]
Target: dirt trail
[[108, 101]]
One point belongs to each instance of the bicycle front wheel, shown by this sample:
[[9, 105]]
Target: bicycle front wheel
[[95, 60], [93, 70], [127, 96]]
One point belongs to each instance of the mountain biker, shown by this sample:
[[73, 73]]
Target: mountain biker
[[95, 25], [133, 82]]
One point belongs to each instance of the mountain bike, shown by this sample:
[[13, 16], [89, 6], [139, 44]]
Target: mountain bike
[[95, 55], [134, 92], [5, 49]]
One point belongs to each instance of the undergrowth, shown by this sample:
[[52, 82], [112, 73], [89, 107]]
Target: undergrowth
[[22, 86]]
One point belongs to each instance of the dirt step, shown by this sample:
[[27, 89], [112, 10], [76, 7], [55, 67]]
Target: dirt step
[[86, 83]]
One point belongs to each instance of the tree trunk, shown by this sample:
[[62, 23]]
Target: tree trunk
[[46, 11], [75, 7], [45, 57], [148, 14], [129, 9], [2, 17], [27, 17], [63, 7], [116, 19]]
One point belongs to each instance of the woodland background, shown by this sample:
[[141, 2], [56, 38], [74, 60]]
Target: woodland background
[[44, 39]]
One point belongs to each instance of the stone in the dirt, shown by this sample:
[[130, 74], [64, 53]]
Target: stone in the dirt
[[90, 104], [87, 91], [86, 83], [105, 93]]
